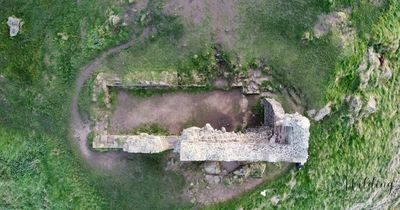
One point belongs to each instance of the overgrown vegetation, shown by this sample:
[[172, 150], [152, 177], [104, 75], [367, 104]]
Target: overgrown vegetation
[[258, 111], [152, 128], [149, 92]]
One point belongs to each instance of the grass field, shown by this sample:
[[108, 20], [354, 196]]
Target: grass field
[[39, 168], [269, 30], [339, 152]]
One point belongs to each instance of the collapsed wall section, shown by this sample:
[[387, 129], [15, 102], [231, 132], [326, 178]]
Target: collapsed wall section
[[203, 144]]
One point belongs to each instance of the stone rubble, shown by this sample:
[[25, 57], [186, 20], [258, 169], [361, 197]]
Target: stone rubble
[[371, 105], [356, 105], [114, 20], [338, 22], [311, 113], [275, 200], [212, 180], [212, 168], [15, 25], [229, 166], [322, 113]]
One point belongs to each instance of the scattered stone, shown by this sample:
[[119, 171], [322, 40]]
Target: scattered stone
[[230, 166], [114, 19], [263, 193], [356, 105], [223, 129], [369, 65], [241, 172], [393, 46], [339, 23], [212, 168], [294, 96], [326, 110], [212, 180], [292, 181], [208, 127], [371, 105], [307, 36], [347, 98], [387, 72], [14, 24], [257, 169], [275, 200], [63, 36], [311, 113]]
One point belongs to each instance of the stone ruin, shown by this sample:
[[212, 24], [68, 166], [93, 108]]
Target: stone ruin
[[283, 137], [15, 25]]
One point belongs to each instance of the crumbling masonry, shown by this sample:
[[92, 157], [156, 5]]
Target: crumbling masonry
[[284, 137]]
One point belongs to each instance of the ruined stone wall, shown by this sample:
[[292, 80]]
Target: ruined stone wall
[[204, 144], [143, 143], [284, 137]]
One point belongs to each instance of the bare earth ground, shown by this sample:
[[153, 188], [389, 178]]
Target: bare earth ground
[[220, 16], [176, 111]]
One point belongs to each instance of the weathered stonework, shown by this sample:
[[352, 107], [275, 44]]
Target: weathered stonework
[[143, 143], [283, 137], [273, 112], [15, 25], [200, 144]]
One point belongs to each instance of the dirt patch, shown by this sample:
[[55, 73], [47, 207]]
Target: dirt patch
[[176, 111], [131, 9], [339, 23], [219, 17]]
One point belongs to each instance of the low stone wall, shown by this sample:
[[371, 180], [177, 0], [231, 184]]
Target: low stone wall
[[143, 143]]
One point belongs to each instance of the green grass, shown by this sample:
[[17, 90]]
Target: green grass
[[85, 99], [278, 27], [35, 96], [39, 169], [142, 184], [258, 110], [339, 151], [37, 172]]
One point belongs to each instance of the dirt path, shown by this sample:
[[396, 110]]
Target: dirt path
[[80, 129]]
